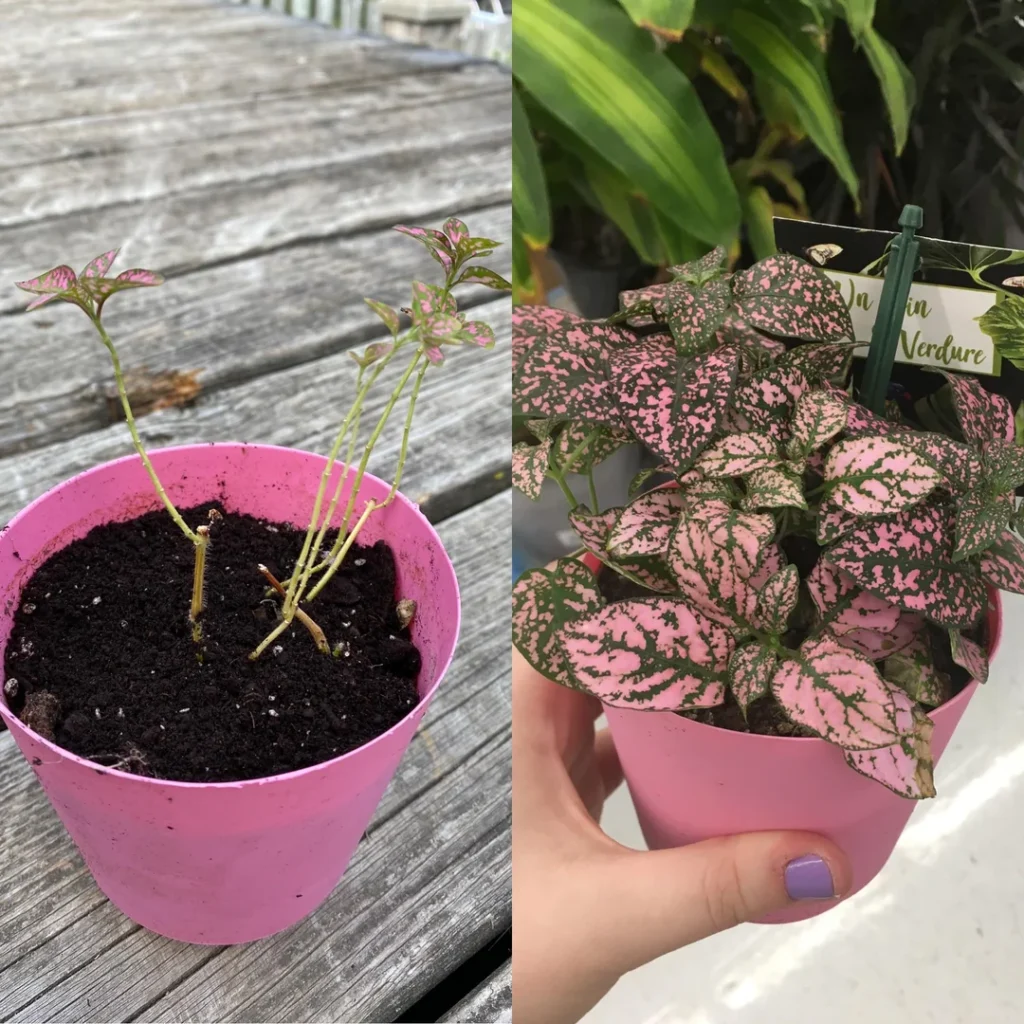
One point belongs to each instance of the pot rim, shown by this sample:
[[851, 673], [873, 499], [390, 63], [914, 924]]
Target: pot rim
[[13, 722], [994, 618]]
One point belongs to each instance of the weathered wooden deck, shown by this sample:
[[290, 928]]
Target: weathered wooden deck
[[260, 161]]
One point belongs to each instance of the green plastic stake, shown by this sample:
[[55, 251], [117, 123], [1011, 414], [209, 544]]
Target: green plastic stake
[[885, 334]]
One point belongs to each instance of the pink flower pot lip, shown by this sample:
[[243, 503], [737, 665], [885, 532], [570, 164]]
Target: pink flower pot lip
[[14, 723], [995, 628]]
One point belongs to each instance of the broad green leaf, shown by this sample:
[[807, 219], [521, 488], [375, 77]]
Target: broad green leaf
[[666, 18], [529, 192], [859, 15], [896, 81], [758, 213], [604, 78], [769, 40], [1004, 324], [610, 192]]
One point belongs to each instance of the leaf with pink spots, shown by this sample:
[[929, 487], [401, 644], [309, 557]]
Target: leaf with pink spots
[[913, 670], [674, 407], [907, 559], [817, 418], [777, 600], [372, 353], [455, 231], [871, 476], [837, 694], [828, 361], [51, 283], [482, 275], [1002, 565], [767, 401], [713, 555], [100, 265], [645, 525], [785, 296], [980, 522], [651, 654], [644, 475], [771, 562], [543, 600], [739, 455], [905, 766], [101, 288], [429, 302], [600, 443], [694, 314], [653, 295], [706, 268], [774, 488], [386, 313], [436, 243], [734, 330], [1003, 465], [529, 467], [751, 668], [843, 607], [982, 415], [595, 530], [969, 655], [533, 324], [834, 521], [476, 332]]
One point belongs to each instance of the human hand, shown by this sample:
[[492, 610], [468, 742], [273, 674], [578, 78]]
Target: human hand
[[585, 909]]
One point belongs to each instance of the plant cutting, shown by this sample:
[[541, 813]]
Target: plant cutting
[[215, 721], [784, 630]]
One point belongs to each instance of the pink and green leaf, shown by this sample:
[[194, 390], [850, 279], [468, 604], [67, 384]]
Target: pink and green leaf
[[837, 694], [913, 670], [870, 476], [99, 266], [699, 271], [777, 600], [482, 275], [845, 607], [386, 313], [455, 231], [476, 332], [767, 401], [530, 467], [652, 654], [907, 559], [905, 766], [372, 353], [818, 417], [830, 361], [751, 668], [969, 655], [834, 522], [739, 455], [544, 600], [694, 314], [429, 302], [774, 488], [51, 283], [980, 521], [602, 443], [645, 525], [982, 415], [785, 296], [536, 324], [1002, 564]]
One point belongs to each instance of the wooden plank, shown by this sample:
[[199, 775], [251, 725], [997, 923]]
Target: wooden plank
[[454, 442], [428, 886], [338, 141], [489, 1003], [90, 135], [229, 324]]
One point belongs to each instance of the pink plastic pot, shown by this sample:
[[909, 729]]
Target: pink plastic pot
[[691, 782], [226, 862]]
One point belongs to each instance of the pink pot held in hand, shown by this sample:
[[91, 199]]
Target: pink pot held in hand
[[226, 862]]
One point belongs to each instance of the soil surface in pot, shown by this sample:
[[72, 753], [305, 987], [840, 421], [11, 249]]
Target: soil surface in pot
[[766, 716], [103, 629]]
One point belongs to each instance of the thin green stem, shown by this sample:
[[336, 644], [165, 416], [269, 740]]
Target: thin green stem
[[556, 475], [593, 490], [136, 440], [349, 541], [198, 582], [404, 450], [578, 450]]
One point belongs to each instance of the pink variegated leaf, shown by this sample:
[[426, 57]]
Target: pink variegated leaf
[[436, 243], [713, 555], [739, 455], [672, 406], [837, 694], [544, 600], [751, 668], [834, 521], [843, 606], [530, 466], [830, 361], [476, 332], [766, 402], [586, 446], [905, 766], [980, 521], [593, 529], [386, 313], [1003, 465], [645, 525], [474, 246], [784, 296], [434, 354], [372, 353], [734, 330], [877, 645], [694, 314], [99, 266], [771, 562], [51, 283], [907, 559], [969, 655], [644, 475], [482, 275], [429, 302], [533, 324], [957, 462], [440, 329], [652, 654], [455, 231], [774, 488], [563, 369], [653, 296], [101, 288], [699, 271], [777, 600], [818, 417], [983, 416], [650, 571], [913, 671], [872, 476], [1002, 564]]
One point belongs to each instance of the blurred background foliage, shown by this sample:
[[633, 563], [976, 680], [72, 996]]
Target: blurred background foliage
[[646, 131]]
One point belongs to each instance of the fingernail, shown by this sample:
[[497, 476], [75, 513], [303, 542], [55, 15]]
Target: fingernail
[[808, 878]]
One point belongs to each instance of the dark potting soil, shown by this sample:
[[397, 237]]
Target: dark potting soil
[[766, 716], [103, 655]]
